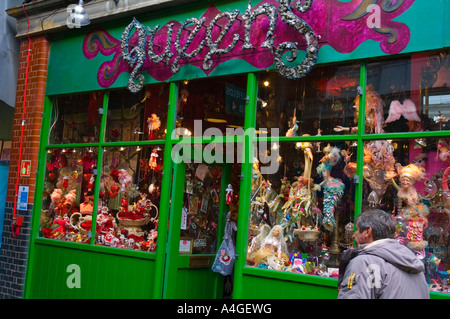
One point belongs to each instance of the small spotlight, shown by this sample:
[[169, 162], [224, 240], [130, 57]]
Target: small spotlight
[[78, 16]]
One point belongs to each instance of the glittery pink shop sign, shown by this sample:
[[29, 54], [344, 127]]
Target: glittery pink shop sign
[[272, 32]]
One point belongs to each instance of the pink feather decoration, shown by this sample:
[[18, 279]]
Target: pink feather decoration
[[407, 109]]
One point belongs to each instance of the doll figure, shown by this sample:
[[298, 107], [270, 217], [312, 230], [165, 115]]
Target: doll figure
[[273, 250], [275, 242], [124, 205], [374, 119], [125, 179], [69, 202], [413, 211], [153, 159], [229, 196], [56, 198], [406, 193], [443, 150], [333, 188], [292, 131], [257, 240], [154, 123]]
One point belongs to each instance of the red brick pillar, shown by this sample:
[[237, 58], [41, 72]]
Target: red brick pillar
[[14, 249]]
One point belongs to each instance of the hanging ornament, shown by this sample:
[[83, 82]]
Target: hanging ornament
[[154, 123], [229, 195], [153, 158]]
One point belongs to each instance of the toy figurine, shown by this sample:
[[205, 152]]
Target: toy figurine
[[153, 157], [292, 131], [374, 119], [406, 192], [411, 208], [273, 252], [378, 169], [333, 188], [229, 196], [154, 123]]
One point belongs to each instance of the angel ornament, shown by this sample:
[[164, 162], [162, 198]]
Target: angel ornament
[[153, 159], [154, 123]]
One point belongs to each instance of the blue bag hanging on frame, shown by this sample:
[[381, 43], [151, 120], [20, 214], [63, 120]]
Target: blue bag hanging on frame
[[225, 256]]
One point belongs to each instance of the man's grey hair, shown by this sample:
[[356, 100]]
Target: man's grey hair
[[382, 223]]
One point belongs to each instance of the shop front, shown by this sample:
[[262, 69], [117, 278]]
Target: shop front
[[269, 123]]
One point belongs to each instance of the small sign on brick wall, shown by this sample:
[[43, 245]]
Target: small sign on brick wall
[[25, 168]]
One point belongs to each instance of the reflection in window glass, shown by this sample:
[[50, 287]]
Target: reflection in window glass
[[137, 116], [410, 179], [76, 119], [412, 94], [315, 104], [301, 216], [214, 102], [128, 208], [68, 194]]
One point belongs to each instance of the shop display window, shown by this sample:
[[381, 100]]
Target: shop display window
[[129, 198], [301, 216], [410, 94], [137, 116], [67, 201], [321, 103], [211, 103], [409, 178], [201, 207], [76, 119]]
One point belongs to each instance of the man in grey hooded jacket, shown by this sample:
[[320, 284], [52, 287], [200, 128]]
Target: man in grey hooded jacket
[[381, 267]]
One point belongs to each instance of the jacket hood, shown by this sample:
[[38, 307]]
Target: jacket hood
[[395, 253]]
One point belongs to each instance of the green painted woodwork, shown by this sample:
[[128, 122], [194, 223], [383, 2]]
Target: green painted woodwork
[[280, 285], [103, 274], [181, 281]]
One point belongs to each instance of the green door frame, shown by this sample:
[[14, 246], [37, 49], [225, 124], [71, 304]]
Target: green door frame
[[175, 261]]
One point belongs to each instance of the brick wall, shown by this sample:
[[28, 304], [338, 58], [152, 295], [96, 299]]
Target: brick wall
[[14, 251]]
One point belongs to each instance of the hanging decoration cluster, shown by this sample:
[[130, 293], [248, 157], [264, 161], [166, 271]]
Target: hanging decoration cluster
[[136, 55]]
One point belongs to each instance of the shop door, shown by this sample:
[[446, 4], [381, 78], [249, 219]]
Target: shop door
[[196, 226]]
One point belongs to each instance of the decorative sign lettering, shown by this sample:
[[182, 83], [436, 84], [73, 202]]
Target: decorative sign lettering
[[271, 33]]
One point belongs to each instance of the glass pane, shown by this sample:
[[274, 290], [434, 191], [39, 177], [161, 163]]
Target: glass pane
[[409, 94], [200, 213], [301, 215], [76, 119], [316, 104], [137, 116], [68, 194], [128, 207], [211, 103], [409, 178]]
